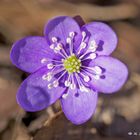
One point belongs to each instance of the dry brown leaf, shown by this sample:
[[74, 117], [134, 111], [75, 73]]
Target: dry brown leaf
[[9, 82]]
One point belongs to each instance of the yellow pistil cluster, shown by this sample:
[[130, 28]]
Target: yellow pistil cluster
[[72, 64]]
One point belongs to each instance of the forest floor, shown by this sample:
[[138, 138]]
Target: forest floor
[[117, 116]]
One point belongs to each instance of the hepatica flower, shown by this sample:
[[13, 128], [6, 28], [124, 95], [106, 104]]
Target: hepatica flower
[[71, 63]]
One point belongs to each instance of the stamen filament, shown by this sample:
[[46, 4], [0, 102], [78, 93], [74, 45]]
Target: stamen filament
[[91, 56], [80, 83], [72, 86], [56, 82], [51, 66], [63, 50], [96, 69], [68, 81], [92, 48], [44, 60], [86, 77]]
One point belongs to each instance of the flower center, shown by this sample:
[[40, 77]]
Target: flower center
[[72, 64]]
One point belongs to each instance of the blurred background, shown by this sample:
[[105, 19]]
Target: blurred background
[[117, 116]]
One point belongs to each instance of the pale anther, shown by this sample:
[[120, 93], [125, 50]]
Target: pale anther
[[58, 48], [83, 45], [68, 40], [44, 77], [72, 86], [50, 66], [50, 86], [49, 77], [59, 45], [54, 39], [64, 96], [55, 83], [86, 78], [97, 69], [83, 88], [83, 34], [71, 34], [92, 56], [97, 77], [44, 60], [67, 83], [52, 46], [93, 46]]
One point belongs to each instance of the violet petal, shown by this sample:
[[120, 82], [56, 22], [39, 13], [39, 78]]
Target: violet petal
[[60, 27], [79, 106], [34, 95], [28, 52], [103, 35], [114, 74]]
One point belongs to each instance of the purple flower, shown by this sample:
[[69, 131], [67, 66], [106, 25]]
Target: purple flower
[[70, 63]]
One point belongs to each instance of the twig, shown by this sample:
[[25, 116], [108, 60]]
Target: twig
[[50, 120]]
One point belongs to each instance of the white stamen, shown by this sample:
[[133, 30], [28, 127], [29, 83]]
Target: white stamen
[[93, 46], [91, 56], [50, 86], [55, 83], [68, 40], [83, 35], [97, 77], [44, 60], [44, 77], [50, 66], [59, 47], [72, 86], [83, 88], [49, 73], [64, 96], [97, 69], [54, 39], [86, 78], [71, 34], [90, 71], [80, 84], [83, 45], [58, 71], [56, 50], [52, 46], [47, 77], [67, 83]]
